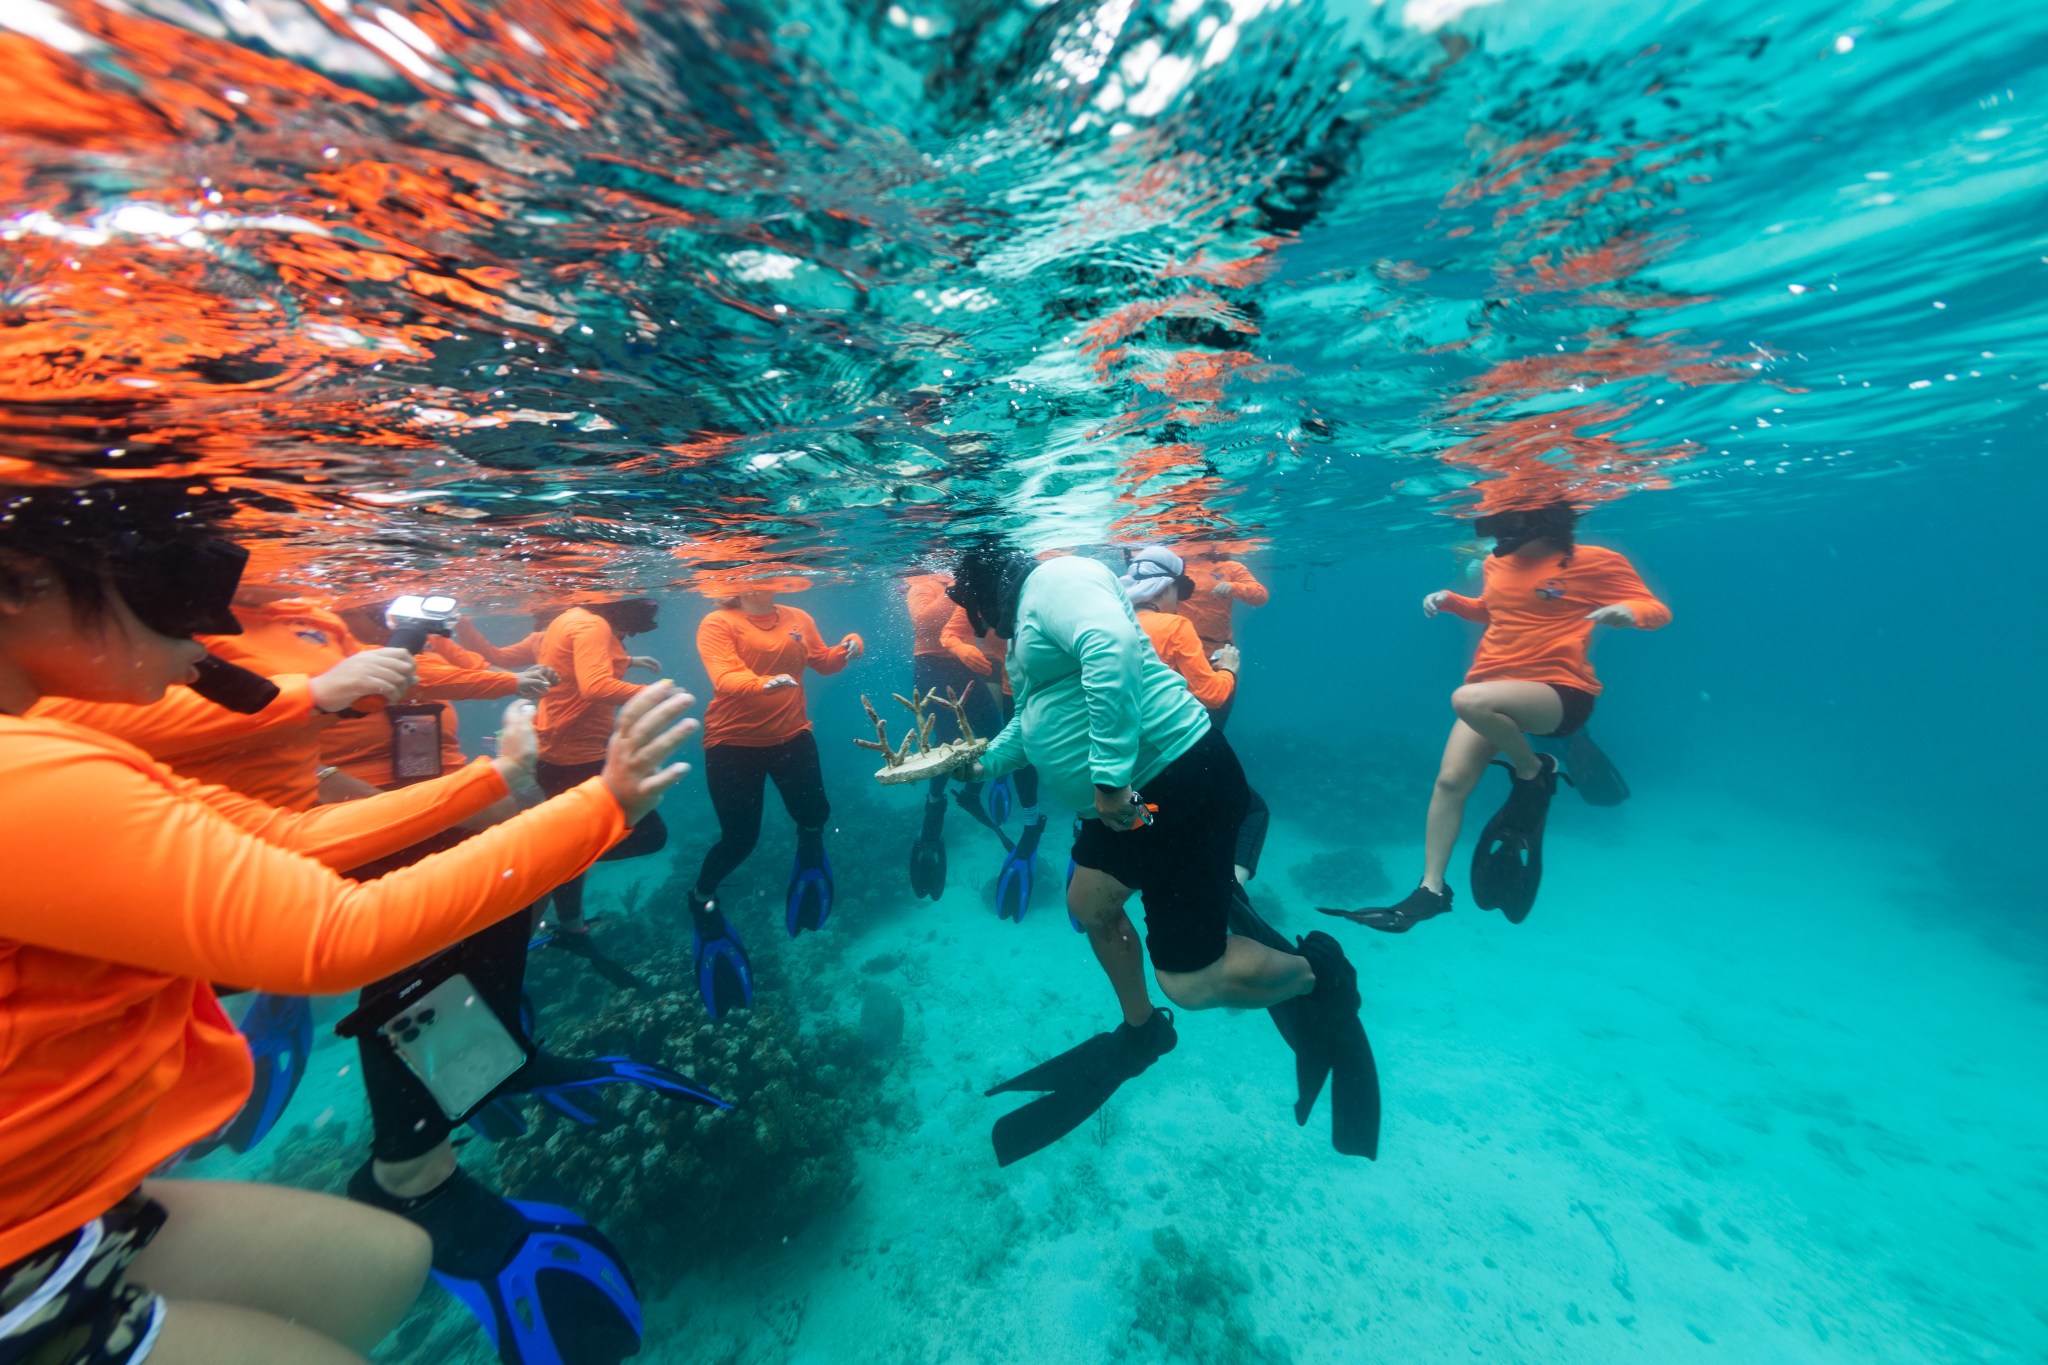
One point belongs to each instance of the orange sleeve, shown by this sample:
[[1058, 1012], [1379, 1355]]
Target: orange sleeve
[[928, 602], [348, 834], [1617, 584], [444, 647], [185, 722], [730, 676], [442, 680], [1244, 587], [524, 654], [591, 656], [822, 658], [1471, 608], [1183, 654], [958, 638], [218, 903]]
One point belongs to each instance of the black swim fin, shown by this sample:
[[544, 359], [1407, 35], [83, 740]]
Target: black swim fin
[[1507, 864], [1419, 905], [928, 853], [1078, 1082], [1327, 1036], [1593, 775], [547, 1288], [581, 944]]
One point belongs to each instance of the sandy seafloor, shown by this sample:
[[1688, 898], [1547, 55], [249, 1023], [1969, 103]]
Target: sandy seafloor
[[1734, 1095]]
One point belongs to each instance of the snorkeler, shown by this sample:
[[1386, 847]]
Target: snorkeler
[[1156, 581], [756, 729], [940, 658], [119, 1055], [582, 647], [1544, 593], [1011, 794], [1119, 736], [1217, 586]]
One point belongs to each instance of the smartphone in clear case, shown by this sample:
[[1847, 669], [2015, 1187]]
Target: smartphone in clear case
[[455, 1043]]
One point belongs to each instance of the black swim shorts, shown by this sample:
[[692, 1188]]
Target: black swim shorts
[[66, 1304], [1182, 863], [1578, 709]]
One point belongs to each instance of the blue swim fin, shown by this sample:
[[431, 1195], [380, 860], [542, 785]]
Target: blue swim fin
[[1014, 882], [547, 1288], [810, 894], [1000, 799], [551, 1079], [725, 979], [279, 1031]]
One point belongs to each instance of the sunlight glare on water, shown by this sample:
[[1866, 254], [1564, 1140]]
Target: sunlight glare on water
[[594, 285]]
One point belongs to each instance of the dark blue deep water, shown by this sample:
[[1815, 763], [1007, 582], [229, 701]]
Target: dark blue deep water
[[532, 300]]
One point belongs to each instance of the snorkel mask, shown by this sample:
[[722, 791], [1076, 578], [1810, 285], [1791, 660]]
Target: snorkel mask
[[185, 586], [1510, 531]]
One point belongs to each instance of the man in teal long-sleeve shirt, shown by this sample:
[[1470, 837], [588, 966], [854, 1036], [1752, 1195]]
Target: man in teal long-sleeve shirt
[[1116, 735]]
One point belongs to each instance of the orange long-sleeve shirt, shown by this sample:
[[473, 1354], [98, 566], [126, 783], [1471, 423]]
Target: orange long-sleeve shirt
[[741, 653], [520, 654], [992, 649], [288, 642], [361, 745], [1173, 638], [930, 609], [1211, 613], [575, 718], [130, 888], [1535, 610]]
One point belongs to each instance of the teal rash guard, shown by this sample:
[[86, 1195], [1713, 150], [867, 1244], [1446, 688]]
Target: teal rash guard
[[1094, 702]]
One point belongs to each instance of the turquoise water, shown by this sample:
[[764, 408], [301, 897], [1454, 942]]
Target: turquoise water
[[650, 290]]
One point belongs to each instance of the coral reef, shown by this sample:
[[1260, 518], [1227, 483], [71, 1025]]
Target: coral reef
[[1191, 1301], [671, 1182], [1343, 877]]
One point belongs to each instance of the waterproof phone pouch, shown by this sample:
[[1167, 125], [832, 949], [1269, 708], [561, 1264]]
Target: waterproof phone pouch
[[415, 743], [455, 1043]]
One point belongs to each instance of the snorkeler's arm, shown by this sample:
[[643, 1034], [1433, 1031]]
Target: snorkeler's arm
[[185, 722], [1005, 753], [1182, 651], [730, 676], [1243, 587], [822, 658], [590, 656], [958, 638], [523, 654], [928, 603], [348, 834], [122, 861], [1612, 581], [1471, 608], [443, 679]]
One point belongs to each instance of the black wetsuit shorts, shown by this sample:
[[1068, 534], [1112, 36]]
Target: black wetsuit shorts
[[1182, 863]]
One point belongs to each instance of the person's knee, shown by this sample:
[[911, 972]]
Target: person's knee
[[407, 1261], [1191, 990], [1472, 700], [1457, 782]]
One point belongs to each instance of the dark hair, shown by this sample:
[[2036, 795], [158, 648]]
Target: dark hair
[[1556, 522], [83, 535], [628, 615]]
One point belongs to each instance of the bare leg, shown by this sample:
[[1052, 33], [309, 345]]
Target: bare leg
[[344, 1271], [415, 1176], [1466, 755], [1248, 976], [1506, 713], [1493, 717], [1096, 900], [197, 1333]]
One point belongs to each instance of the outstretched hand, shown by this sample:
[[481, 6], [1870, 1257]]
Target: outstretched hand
[[648, 731], [1616, 615], [387, 674], [646, 661], [777, 683], [853, 645], [535, 680], [518, 747], [1434, 603]]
